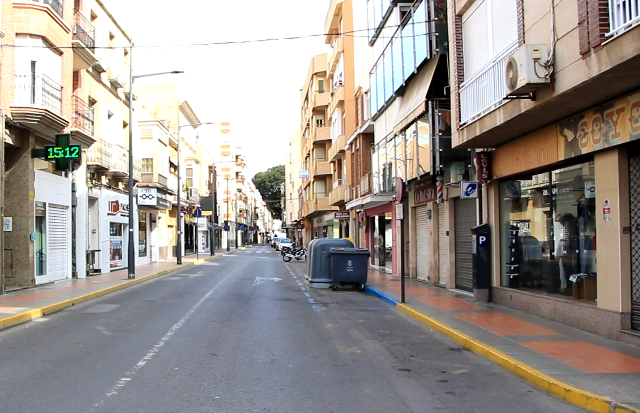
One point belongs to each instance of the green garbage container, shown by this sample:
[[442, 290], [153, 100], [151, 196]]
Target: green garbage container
[[319, 264], [349, 266]]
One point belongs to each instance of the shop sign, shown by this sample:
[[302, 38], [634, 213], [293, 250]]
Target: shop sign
[[608, 125], [148, 196], [606, 210], [424, 192], [341, 215], [399, 211], [41, 209], [468, 190], [118, 208], [483, 166], [164, 203], [589, 189], [8, 224]]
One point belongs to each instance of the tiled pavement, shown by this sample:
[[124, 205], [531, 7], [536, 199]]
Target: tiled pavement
[[585, 369]]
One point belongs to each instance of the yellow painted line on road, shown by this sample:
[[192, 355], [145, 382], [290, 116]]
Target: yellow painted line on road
[[548, 384], [36, 313]]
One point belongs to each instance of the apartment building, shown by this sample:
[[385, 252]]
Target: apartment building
[[552, 91], [292, 197], [231, 183], [66, 74], [316, 132]]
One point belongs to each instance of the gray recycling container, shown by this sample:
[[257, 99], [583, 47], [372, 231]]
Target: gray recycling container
[[319, 262], [349, 265]]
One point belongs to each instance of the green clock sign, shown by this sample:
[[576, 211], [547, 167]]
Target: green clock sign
[[52, 152], [62, 152]]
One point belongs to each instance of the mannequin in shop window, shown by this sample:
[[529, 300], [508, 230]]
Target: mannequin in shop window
[[566, 247]]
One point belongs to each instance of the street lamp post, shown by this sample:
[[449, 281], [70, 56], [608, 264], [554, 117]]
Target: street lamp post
[[179, 248], [228, 214], [131, 259]]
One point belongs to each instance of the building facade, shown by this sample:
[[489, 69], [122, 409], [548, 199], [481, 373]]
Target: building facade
[[559, 110]]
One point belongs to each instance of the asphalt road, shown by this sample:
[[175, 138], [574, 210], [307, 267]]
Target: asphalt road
[[242, 334]]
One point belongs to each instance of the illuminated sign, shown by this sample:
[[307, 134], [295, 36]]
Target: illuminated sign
[[51, 153]]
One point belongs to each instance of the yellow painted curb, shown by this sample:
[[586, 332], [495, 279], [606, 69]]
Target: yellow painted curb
[[52, 308], [548, 384]]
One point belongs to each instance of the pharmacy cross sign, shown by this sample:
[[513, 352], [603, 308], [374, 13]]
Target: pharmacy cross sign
[[62, 152]]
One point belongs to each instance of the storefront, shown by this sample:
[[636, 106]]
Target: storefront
[[566, 220], [424, 198], [381, 231], [153, 204], [52, 237]]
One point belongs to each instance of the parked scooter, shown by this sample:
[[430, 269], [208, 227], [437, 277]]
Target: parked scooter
[[299, 254]]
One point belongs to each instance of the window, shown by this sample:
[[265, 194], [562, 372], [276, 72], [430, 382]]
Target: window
[[147, 165], [142, 234], [548, 233]]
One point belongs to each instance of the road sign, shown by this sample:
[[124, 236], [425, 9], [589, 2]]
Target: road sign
[[197, 212], [304, 173], [468, 190]]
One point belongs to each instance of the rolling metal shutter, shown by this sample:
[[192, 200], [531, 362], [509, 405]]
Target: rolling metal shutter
[[58, 242], [423, 242], [465, 219], [442, 247]]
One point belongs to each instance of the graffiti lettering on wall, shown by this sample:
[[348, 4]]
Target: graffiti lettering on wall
[[608, 125]]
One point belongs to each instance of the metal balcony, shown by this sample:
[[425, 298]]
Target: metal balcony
[[99, 155], [37, 89], [84, 42]]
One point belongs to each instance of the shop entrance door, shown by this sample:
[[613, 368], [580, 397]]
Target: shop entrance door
[[634, 197]]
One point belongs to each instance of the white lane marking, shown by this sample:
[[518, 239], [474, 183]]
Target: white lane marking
[[307, 294], [293, 276], [312, 301], [156, 348]]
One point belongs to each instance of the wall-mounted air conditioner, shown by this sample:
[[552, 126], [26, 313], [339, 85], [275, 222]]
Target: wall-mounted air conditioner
[[524, 70]]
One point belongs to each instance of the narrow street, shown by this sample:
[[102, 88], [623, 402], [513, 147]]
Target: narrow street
[[242, 334]]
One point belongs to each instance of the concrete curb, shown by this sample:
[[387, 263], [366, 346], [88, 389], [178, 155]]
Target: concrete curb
[[35, 313], [551, 386]]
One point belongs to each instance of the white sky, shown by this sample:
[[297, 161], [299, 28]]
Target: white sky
[[255, 86]]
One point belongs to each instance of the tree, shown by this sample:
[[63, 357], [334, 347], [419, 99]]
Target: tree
[[269, 184]]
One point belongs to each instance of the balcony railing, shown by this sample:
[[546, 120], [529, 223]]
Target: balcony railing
[[55, 5], [99, 154], [365, 185], [82, 116], [485, 91], [84, 31], [623, 14], [33, 88]]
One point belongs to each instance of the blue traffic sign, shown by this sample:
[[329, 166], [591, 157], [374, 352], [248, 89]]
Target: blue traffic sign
[[468, 190]]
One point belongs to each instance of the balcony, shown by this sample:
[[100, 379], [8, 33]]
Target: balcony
[[336, 51], [365, 185], [322, 169], [119, 167], [337, 97], [306, 209], [337, 147], [485, 91], [38, 102], [83, 43], [337, 195], [323, 203], [56, 5], [320, 99], [320, 133], [623, 15], [99, 155], [82, 122]]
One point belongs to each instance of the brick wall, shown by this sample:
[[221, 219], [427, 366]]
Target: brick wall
[[593, 25], [457, 58]]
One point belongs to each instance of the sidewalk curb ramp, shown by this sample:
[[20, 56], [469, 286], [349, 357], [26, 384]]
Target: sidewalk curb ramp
[[573, 395], [36, 313]]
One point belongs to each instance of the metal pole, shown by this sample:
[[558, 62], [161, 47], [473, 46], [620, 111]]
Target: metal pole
[[228, 215], [179, 251], [236, 223], [131, 265]]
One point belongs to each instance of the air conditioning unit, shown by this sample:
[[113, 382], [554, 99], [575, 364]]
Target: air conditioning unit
[[523, 70]]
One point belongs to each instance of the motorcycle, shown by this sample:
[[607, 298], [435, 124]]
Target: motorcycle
[[298, 254]]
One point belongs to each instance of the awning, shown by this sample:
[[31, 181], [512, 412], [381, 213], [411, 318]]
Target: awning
[[414, 101]]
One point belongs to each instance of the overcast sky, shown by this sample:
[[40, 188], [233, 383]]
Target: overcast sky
[[256, 86]]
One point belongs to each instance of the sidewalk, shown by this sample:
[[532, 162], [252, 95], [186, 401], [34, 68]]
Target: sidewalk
[[584, 369], [28, 304]]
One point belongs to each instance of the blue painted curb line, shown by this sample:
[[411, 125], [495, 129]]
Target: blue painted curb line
[[383, 296]]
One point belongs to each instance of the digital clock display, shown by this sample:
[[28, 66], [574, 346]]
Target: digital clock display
[[59, 152]]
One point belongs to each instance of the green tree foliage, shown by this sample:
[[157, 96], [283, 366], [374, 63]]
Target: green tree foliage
[[269, 184]]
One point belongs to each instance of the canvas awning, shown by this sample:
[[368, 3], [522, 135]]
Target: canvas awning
[[414, 101]]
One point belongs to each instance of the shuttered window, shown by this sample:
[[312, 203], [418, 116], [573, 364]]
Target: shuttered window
[[423, 243], [489, 29], [443, 241], [58, 242]]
